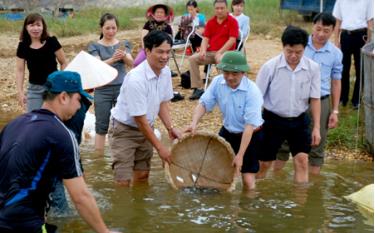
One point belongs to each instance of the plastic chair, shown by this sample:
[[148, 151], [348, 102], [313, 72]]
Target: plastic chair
[[182, 44], [242, 42], [177, 45]]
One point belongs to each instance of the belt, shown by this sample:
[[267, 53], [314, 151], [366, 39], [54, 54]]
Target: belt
[[275, 116], [349, 32], [114, 122], [324, 97]]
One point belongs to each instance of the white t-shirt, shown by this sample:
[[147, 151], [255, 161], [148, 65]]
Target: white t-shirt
[[141, 93], [354, 14]]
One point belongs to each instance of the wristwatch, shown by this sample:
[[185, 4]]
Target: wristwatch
[[335, 112]]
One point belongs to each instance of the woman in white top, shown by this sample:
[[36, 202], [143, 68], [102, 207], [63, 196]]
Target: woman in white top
[[243, 20]]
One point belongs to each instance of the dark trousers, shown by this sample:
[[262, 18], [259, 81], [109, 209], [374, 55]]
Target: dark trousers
[[196, 42], [351, 44], [251, 156]]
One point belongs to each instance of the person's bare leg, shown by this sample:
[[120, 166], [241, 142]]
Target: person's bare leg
[[278, 165], [301, 173], [264, 166], [140, 176], [248, 180], [315, 170], [99, 143], [123, 183]]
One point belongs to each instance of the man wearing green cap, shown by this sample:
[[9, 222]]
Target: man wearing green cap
[[36, 149], [240, 102]]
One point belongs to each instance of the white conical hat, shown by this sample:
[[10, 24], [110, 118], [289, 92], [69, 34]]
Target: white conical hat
[[94, 72]]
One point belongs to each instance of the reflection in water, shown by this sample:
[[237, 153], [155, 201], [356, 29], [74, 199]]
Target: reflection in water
[[277, 205]]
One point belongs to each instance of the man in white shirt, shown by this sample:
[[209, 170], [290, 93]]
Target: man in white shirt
[[288, 83], [144, 95], [354, 22]]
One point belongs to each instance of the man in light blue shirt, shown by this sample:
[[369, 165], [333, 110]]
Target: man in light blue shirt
[[240, 102], [329, 57]]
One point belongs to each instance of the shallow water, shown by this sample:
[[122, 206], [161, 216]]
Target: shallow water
[[277, 205]]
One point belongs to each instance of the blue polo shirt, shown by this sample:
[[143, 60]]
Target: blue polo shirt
[[239, 107], [35, 149], [329, 57]]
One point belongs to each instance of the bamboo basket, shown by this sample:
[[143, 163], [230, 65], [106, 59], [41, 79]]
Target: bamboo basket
[[201, 161]]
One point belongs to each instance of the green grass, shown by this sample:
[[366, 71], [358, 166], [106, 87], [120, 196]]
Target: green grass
[[350, 132], [266, 18], [345, 134]]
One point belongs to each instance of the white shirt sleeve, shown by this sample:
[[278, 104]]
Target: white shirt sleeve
[[136, 97], [168, 92], [336, 10], [263, 78]]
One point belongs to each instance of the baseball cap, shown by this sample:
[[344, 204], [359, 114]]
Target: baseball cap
[[67, 81], [234, 61]]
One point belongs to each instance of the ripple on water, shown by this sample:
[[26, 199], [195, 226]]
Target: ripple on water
[[278, 205]]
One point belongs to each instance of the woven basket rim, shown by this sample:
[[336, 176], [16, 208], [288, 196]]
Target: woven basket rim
[[227, 146]]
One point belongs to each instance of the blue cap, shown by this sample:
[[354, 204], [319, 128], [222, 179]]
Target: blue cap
[[67, 81]]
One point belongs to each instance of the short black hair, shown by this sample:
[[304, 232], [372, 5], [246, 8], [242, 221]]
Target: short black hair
[[224, 1], [155, 39], [326, 19], [293, 35], [236, 2], [161, 6], [192, 3]]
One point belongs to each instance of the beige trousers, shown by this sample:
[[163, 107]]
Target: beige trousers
[[194, 63]]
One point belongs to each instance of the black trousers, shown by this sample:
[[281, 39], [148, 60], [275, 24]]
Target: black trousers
[[351, 44]]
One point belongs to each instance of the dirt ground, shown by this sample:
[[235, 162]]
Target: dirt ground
[[258, 49]]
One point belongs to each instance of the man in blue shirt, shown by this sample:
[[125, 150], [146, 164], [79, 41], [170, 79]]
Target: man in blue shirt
[[36, 149], [240, 102], [329, 57]]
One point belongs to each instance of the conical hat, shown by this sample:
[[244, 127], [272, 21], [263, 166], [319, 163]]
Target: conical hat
[[202, 161], [168, 11], [94, 72]]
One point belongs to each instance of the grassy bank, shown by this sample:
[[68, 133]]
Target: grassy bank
[[266, 18], [350, 132]]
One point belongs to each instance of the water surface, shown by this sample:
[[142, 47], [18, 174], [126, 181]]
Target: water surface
[[277, 205]]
